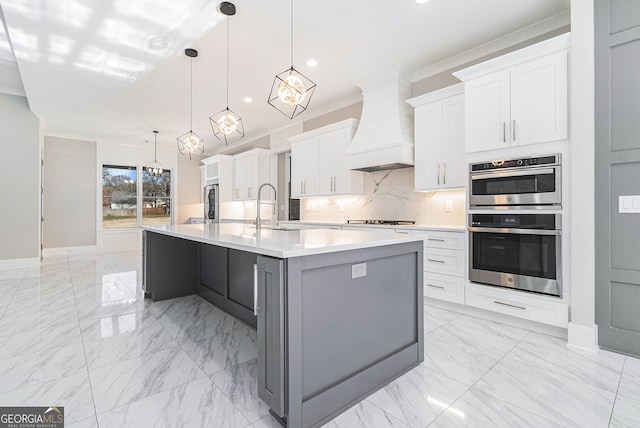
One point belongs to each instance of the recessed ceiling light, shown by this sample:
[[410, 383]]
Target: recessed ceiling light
[[248, 99], [312, 63], [421, 1]]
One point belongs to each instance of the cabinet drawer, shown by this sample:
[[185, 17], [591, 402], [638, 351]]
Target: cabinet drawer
[[444, 287], [447, 262], [517, 304], [437, 239]]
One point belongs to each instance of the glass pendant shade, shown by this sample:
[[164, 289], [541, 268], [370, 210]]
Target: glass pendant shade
[[291, 92], [154, 169], [190, 144], [227, 126]]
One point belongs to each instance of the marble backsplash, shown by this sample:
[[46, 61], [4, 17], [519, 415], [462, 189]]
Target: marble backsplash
[[389, 195]]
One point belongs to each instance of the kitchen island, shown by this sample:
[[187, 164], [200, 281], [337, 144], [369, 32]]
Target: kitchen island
[[339, 314]]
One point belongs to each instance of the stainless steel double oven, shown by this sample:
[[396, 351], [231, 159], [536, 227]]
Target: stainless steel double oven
[[508, 246]]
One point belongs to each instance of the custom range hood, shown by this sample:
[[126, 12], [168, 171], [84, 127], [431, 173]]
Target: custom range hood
[[384, 138]]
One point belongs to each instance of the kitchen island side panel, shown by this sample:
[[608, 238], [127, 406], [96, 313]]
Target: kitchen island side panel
[[348, 337], [171, 266]]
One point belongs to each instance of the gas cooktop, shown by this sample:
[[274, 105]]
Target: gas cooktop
[[388, 222]]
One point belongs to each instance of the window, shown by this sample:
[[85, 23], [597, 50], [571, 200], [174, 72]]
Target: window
[[156, 203], [126, 206], [119, 196]]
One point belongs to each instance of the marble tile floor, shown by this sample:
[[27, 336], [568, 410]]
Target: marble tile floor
[[78, 333]]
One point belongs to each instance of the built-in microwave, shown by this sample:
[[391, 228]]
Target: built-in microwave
[[533, 182]]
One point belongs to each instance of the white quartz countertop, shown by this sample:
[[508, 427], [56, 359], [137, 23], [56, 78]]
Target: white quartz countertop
[[382, 226], [281, 243]]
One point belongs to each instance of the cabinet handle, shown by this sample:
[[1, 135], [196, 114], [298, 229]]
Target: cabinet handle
[[401, 232], [255, 290], [436, 286], [334, 183], [444, 173], [511, 306], [514, 130], [301, 187], [438, 174], [435, 239], [504, 132], [305, 187], [435, 261]]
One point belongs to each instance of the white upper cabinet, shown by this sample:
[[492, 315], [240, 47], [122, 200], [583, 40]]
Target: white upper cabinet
[[317, 162], [519, 98], [439, 139], [250, 170]]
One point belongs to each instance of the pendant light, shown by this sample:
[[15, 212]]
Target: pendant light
[[291, 90], [155, 169], [190, 143], [226, 125]]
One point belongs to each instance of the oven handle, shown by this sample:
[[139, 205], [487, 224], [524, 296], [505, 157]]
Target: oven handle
[[526, 171], [515, 231]]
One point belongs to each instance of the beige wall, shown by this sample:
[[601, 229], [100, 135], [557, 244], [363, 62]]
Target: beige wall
[[69, 198], [353, 111], [20, 182], [189, 189]]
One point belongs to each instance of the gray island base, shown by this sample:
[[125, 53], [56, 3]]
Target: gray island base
[[338, 314]]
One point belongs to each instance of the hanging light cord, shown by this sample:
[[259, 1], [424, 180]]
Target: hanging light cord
[[292, 34], [155, 146], [227, 62], [191, 99]]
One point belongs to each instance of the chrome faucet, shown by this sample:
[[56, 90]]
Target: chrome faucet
[[258, 220]]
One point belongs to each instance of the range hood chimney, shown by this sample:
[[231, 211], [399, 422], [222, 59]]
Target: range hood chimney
[[384, 138]]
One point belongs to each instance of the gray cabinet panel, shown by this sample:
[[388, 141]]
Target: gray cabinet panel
[[271, 336], [213, 268], [241, 277], [625, 14]]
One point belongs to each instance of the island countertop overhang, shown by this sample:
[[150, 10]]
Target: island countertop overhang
[[281, 243]]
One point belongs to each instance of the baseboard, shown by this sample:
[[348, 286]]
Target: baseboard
[[19, 263], [63, 251], [583, 338]]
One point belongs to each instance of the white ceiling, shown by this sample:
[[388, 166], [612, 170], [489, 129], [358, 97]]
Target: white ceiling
[[116, 69]]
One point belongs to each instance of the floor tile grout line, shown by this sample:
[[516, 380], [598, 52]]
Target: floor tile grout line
[[529, 332], [86, 361], [615, 398]]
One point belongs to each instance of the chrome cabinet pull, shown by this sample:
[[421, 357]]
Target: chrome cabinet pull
[[444, 174], [511, 306], [435, 239], [438, 174], [436, 286], [514, 130], [256, 308], [301, 187], [504, 132], [435, 261]]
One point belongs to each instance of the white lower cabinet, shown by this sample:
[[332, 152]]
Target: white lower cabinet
[[444, 264], [518, 304]]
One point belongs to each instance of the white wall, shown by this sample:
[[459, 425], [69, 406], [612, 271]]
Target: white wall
[[20, 182], [189, 189], [69, 198], [582, 327]]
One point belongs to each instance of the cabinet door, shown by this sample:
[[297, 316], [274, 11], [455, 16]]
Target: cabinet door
[[304, 168], [487, 112], [454, 167], [271, 338], [539, 100], [328, 161], [251, 169], [428, 146], [238, 179]]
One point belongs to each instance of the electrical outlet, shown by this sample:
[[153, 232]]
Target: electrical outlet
[[448, 206], [359, 270]]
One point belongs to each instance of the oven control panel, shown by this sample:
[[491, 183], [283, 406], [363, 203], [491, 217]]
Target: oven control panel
[[516, 163]]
